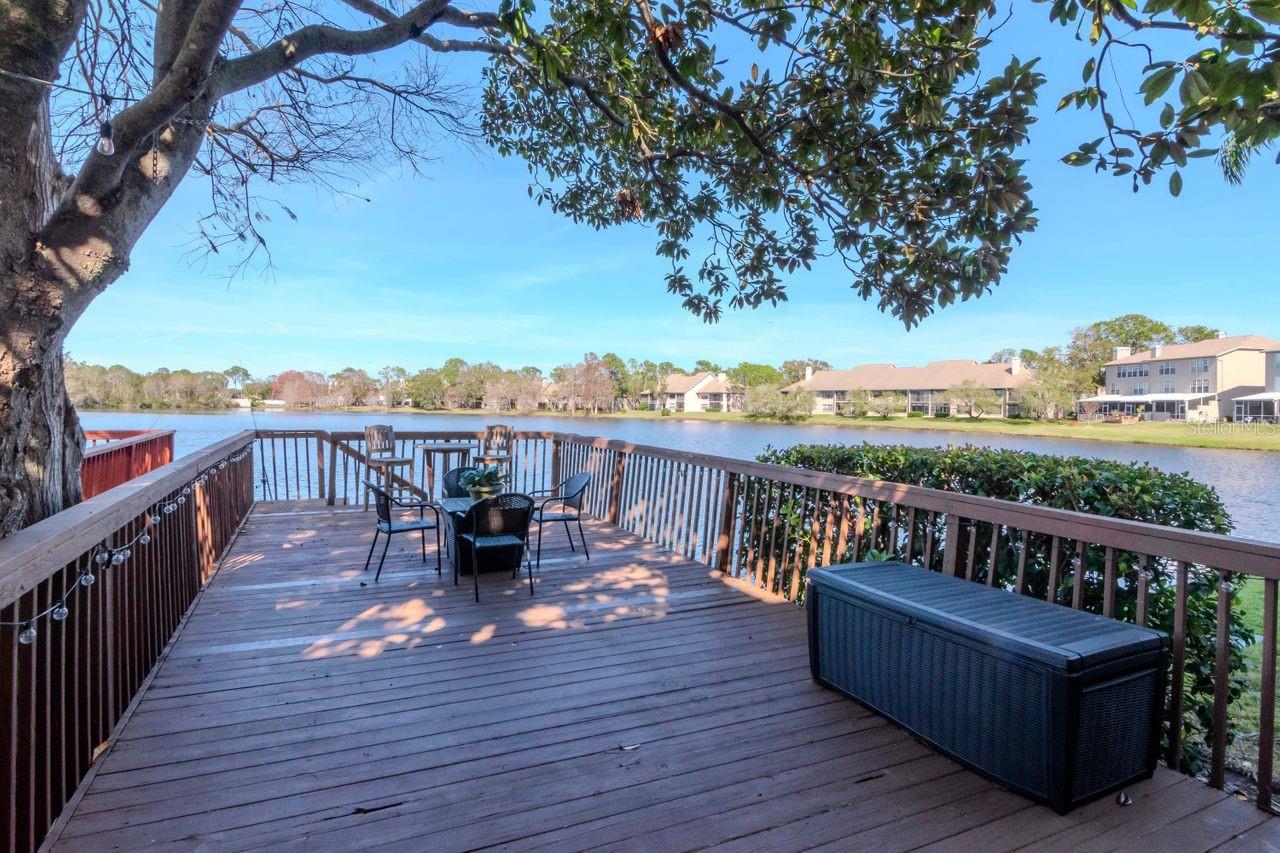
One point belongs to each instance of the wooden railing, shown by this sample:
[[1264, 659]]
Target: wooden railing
[[769, 524], [117, 456], [330, 466], [126, 566], [766, 525]]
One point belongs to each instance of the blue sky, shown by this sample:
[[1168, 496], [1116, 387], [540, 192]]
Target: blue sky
[[462, 263]]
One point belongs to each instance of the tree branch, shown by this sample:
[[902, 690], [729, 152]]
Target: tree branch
[[317, 39]]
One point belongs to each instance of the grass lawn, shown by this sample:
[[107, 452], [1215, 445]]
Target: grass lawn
[[1236, 436], [1243, 752]]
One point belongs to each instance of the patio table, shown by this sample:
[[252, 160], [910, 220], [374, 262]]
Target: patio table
[[491, 559], [446, 450]]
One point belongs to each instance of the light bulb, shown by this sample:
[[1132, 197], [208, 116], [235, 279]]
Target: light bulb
[[102, 557], [144, 539], [60, 612], [28, 634], [181, 499], [87, 579], [170, 507], [117, 558], [155, 519], [106, 134], [186, 490]]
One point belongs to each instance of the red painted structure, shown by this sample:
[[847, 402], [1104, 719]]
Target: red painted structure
[[115, 456]]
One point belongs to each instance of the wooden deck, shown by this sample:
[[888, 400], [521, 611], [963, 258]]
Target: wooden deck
[[639, 701]]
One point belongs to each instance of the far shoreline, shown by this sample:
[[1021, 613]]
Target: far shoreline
[[1224, 436]]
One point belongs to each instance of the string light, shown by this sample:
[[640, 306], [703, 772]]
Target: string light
[[106, 139], [107, 556]]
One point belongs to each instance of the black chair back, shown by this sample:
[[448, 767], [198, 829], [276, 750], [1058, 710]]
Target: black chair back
[[381, 502], [502, 515], [573, 490], [450, 485]]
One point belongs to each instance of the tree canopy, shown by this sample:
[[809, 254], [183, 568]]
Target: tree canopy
[[752, 139]]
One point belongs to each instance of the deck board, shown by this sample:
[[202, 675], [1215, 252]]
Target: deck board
[[638, 701]]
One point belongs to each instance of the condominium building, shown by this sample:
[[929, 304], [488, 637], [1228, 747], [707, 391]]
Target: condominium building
[[694, 392], [1197, 382], [925, 388], [1264, 405]]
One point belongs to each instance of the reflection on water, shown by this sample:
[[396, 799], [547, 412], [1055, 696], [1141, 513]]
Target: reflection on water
[[1249, 481]]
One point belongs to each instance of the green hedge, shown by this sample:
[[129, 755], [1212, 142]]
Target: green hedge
[[1131, 491]]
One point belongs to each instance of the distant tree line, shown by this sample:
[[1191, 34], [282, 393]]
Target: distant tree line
[[595, 384]]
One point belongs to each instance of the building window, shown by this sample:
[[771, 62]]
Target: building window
[[1140, 389], [1199, 386], [1200, 365], [1115, 389], [1166, 387], [1168, 368], [1131, 371]]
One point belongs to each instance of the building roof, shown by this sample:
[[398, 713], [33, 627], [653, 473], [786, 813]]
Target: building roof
[[679, 383], [936, 375], [717, 384], [1201, 349]]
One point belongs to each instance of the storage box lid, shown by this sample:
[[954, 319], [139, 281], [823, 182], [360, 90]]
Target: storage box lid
[[1056, 635]]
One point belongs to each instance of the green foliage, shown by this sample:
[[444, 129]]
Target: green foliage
[[1131, 491], [484, 477], [869, 131], [768, 401], [970, 398], [93, 386], [749, 375], [915, 414], [1194, 333], [1224, 88], [426, 389], [793, 369], [887, 405]]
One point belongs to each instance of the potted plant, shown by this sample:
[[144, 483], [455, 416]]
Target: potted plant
[[483, 482]]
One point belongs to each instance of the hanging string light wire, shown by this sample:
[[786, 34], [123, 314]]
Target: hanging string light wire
[[111, 556]]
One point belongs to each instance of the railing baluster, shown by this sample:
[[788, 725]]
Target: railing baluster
[[1144, 585], [971, 553], [911, 536], [1024, 542], [1078, 576], [1267, 710], [1221, 679], [993, 560], [1109, 582], [1055, 569], [1179, 666]]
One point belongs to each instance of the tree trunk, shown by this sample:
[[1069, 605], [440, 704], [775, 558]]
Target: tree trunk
[[40, 437]]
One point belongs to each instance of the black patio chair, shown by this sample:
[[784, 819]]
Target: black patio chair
[[499, 522], [563, 504], [383, 502], [449, 485]]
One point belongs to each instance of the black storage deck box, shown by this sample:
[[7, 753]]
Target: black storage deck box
[[1057, 704]]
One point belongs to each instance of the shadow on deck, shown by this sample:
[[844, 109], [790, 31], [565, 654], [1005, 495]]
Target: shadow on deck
[[638, 701]]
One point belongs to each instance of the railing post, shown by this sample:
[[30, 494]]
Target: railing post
[[555, 463], [615, 488], [951, 548], [320, 471], [333, 467], [728, 520]]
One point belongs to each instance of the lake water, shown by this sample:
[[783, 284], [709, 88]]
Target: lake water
[[1248, 481]]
